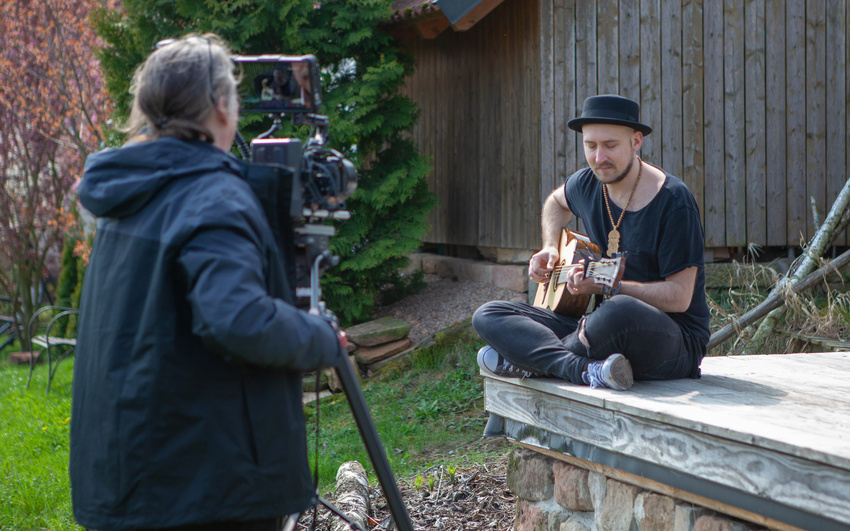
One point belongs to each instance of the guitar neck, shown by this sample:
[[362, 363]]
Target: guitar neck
[[560, 273]]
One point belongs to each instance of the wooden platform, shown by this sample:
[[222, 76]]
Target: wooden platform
[[769, 435]]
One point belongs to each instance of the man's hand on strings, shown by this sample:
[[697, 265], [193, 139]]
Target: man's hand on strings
[[578, 285], [542, 264]]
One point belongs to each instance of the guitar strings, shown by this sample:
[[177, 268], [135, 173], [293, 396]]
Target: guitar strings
[[569, 266]]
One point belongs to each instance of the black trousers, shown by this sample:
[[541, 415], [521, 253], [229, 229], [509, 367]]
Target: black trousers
[[544, 342]]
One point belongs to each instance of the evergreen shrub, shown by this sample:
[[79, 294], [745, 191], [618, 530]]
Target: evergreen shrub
[[363, 69]]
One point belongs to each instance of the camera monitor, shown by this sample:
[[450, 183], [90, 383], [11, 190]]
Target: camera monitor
[[279, 83]]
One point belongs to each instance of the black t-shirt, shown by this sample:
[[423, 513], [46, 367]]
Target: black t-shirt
[[659, 240]]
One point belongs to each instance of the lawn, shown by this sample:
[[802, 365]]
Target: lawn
[[34, 490], [428, 411]]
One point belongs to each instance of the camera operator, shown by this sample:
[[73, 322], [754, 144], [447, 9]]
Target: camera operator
[[187, 381]]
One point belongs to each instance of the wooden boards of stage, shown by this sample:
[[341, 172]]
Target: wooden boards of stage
[[772, 427]]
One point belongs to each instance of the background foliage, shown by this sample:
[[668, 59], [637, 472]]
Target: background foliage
[[362, 72], [53, 111]]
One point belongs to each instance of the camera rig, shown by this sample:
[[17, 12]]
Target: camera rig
[[303, 186], [318, 180]]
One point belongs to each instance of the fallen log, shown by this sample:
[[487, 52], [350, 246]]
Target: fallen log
[[352, 496], [776, 299]]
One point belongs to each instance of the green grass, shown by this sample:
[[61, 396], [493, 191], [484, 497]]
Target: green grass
[[34, 487], [428, 411]]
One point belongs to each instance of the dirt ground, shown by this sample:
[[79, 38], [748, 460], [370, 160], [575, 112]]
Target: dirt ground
[[474, 498]]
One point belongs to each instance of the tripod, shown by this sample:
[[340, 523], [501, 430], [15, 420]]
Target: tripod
[[362, 417]]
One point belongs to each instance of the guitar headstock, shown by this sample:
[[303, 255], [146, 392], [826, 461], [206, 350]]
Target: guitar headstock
[[605, 271]]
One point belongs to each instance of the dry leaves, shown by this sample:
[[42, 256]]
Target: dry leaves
[[471, 499]]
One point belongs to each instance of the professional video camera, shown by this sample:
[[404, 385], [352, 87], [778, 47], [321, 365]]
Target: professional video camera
[[314, 181], [301, 186]]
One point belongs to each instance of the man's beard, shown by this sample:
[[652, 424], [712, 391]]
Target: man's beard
[[622, 176]]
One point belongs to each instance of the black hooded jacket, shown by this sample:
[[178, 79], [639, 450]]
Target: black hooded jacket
[[187, 388]]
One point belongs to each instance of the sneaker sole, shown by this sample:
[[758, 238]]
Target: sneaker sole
[[480, 359], [619, 373], [483, 351]]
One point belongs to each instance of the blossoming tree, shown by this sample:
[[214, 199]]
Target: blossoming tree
[[53, 108]]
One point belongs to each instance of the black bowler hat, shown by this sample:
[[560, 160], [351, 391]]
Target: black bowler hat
[[610, 109]]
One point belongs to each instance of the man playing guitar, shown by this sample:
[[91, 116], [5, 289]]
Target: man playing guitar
[[654, 322]]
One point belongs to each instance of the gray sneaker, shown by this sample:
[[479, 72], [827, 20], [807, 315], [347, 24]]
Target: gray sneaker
[[492, 362], [615, 372]]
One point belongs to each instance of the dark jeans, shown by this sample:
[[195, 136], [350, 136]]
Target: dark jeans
[[545, 342]]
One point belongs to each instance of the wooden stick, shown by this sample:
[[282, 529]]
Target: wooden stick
[[815, 249], [776, 299]]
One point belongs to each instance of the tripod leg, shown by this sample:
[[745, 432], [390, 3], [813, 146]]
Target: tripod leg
[[373, 444]]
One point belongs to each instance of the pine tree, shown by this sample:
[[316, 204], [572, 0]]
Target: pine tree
[[363, 70]]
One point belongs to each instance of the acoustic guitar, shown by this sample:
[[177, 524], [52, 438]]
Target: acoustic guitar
[[573, 247]]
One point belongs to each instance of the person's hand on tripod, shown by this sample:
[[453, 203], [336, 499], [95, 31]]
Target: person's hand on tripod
[[343, 338], [331, 318]]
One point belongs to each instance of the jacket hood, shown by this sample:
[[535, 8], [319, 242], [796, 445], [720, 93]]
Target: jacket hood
[[118, 182]]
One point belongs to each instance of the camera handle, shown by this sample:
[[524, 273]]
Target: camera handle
[[359, 409]]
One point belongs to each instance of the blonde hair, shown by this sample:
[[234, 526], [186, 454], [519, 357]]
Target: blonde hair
[[176, 88]]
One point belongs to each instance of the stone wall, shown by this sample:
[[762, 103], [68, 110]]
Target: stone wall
[[556, 496]]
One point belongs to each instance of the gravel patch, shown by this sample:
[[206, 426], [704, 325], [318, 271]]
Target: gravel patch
[[444, 302]]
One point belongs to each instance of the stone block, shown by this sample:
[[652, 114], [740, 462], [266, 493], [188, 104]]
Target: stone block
[[334, 383], [529, 475], [556, 518], [472, 270], [511, 277], [572, 525], [378, 331], [309, 398], [369, 355], [618, 508], [308, 381], [529, 517], [720, 523], [571, 489], [654, 512], [596, 483], [373, 368], [415, 263], [506, 256], [686, 515], [23, 358]]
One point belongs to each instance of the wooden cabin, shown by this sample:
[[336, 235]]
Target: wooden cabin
[[748, 101]]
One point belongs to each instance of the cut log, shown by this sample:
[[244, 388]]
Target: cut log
[[352, 496]]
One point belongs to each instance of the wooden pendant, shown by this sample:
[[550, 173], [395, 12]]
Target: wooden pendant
[[613, 242]]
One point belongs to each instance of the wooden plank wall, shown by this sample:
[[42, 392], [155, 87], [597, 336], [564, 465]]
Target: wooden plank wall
[[479, 94], [748, 100]]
